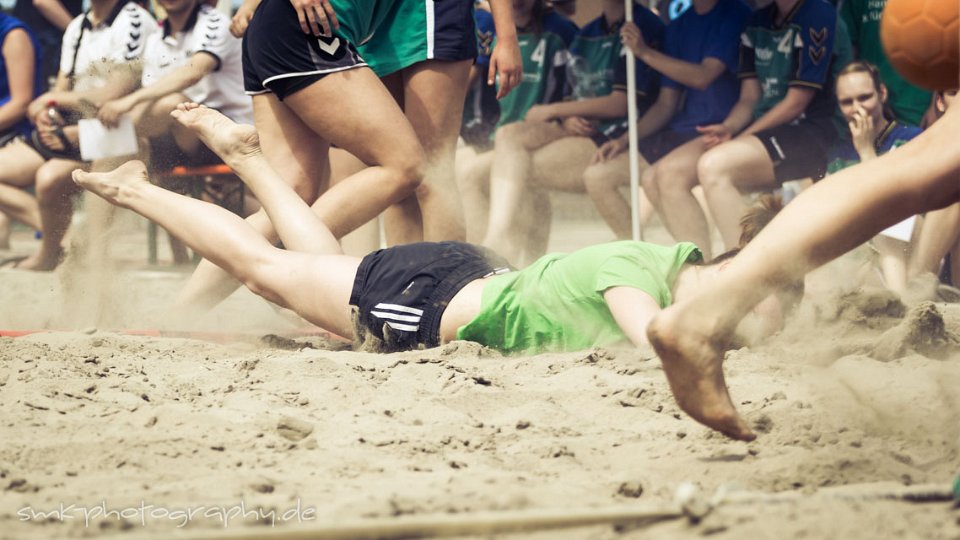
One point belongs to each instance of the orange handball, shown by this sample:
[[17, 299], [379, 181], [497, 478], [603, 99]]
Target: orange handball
[[922, 41]]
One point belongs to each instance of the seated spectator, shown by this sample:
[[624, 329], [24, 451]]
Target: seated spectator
[[48, 19], [873, 131], [539, 154], [194, 58], [698, 88], [100, 48], [862, 18], [544, 38], [785, 114], [19, 84]]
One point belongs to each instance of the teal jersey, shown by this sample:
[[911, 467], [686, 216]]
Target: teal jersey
[[595, 59], [798, 52], [557, 303], [894, 136], [909, 103], [359, 20], [544, 58]]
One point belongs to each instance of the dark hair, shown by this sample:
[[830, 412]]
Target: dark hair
[[862, 66], [536, 16]]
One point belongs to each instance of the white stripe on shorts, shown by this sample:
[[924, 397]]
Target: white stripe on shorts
[[395, 317], [398, 307], [404, 327], [431, 26]]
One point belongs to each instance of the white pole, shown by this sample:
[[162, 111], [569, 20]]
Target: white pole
[[632, 124]]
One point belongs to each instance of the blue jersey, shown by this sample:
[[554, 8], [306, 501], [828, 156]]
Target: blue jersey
[[7, 24], [798, 52], [692, 37], [895, 135]]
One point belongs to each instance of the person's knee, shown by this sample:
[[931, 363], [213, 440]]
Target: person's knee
[[509, 134], [648, 181], [712, 168], [52, 183], [596, 179]]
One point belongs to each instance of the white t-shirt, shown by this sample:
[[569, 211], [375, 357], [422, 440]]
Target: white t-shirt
[[207, 31], [89, 52]]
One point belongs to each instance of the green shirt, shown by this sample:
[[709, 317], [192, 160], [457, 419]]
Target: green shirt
[[557, 304], [909, 103]]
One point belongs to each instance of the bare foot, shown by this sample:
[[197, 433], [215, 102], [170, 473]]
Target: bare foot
[[231, 141], [108, 185], [693, 361], [40, 261]]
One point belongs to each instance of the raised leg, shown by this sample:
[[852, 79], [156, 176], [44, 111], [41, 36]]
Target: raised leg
[[832, 217], [315, 286]]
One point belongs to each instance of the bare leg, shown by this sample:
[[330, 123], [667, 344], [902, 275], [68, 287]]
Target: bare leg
[[20, 164], [474, 184], [55, 194], [366, 122], [832, 217], [670, 187], [509, 180], [433, 95], [939, 233], [366, 238], [893, 261], [315, 286], [300, 157], [238, 145], [740, 165], [4, 231], [603, 182]]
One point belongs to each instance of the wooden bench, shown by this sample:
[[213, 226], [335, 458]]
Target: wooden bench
[[214, 183]]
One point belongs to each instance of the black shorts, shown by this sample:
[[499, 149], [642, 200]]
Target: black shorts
[[661, 143], [278, 57], [33, 141], [165, 154], [799, 150], [402, 291]]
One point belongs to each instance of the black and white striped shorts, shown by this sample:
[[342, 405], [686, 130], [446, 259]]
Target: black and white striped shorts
[[403, 290]]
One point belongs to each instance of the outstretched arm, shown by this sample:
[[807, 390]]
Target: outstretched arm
[[632, 309]]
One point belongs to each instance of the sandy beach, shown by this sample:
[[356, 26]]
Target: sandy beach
[[856, 398]]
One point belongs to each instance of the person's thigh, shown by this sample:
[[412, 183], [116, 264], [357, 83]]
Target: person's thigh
[[353, 110], [20, 164], [560, 164], [296, 152], [679, 167], [528, 135], [744, 161], [433, 97]]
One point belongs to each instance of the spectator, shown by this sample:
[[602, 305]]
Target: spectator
[[785, 114], [544, 39], [874, 131], [19, 84], [48, 19], [862, 18], [100, 48], [699, 87], [194, 58]]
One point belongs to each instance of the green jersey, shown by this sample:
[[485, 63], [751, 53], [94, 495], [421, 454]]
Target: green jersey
[[557, 303], [544, 57], [909, 103]]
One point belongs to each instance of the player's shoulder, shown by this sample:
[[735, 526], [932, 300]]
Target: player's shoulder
[[646, 18], [906, 131], [132, 11], [595, 28], [558, 24], [73, 27], [816, 12], [211, 16]]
